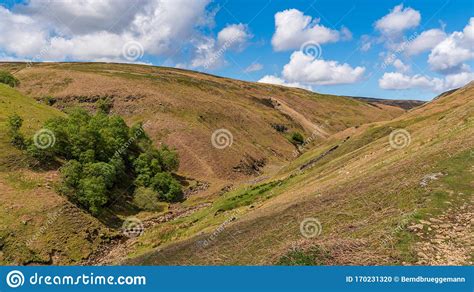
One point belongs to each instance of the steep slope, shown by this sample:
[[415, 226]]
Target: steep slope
[[184, 108], [366, 199], [37, 226]]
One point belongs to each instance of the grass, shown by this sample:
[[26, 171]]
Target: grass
[[354, 198], [455, 188], [247, 197], [28, 207], [314, 256], [34, 114]]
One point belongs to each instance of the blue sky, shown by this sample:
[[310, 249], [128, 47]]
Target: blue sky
[[385, 49]]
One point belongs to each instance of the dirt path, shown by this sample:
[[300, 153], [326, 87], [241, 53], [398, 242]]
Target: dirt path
[[446, 239], [299, 118]]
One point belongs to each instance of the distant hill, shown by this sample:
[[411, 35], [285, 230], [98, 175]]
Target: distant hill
[[404, 104]]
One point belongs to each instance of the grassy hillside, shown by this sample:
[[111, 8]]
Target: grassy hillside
[[376, 204], [245, 202], [183, 109], [37, 226]]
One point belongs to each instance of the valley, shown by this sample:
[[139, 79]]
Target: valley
[[368, 175]]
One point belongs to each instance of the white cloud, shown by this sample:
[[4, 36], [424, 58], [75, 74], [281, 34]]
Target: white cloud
[[98, 30], [398, 20], [209, 53], [399, 81], [19, 34], [309, 70], [271, 79], [458, 80], [449, 55], [253, 67], [346, 34], [400, 66], [365, 43], [425, 41], [293, 28], [234, 36], [85, 16]]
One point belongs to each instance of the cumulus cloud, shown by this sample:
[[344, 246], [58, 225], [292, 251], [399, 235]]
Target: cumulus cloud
[[235, 36], [253, 67], [209, 53], [99, 30], [20, 34], [449, 55], [85, 16], [400, 66], [293, 28], [399, 81], [425, 41], [272, 79], [397, 21], [303, 68]]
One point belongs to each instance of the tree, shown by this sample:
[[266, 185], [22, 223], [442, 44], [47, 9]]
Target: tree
[[167, 186], [101, 152], [147, 199]]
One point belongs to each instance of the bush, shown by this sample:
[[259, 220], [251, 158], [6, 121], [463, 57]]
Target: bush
[[297, 138], [104, 105], [49, 100], [101, 153], [167, 186], [8, 79], [14, 124], [147, 199]]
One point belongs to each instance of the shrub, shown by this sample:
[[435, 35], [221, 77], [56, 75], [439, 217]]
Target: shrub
[[49, 100], [167, 186], [147, 199], [9, 79], [280, 128], [104, 105], [297, 138], [14, 124]]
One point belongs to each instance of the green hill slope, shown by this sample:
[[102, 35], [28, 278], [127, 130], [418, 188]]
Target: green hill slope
[[37, 226], [375, 202]]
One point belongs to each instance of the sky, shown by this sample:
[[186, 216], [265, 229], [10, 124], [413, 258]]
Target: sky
[[383, 49]]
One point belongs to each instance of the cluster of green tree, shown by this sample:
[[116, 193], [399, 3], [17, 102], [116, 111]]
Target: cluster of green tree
[[9, 79], [100, 152]]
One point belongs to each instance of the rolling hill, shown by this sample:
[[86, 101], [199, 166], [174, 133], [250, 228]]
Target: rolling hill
[[245, 202]]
